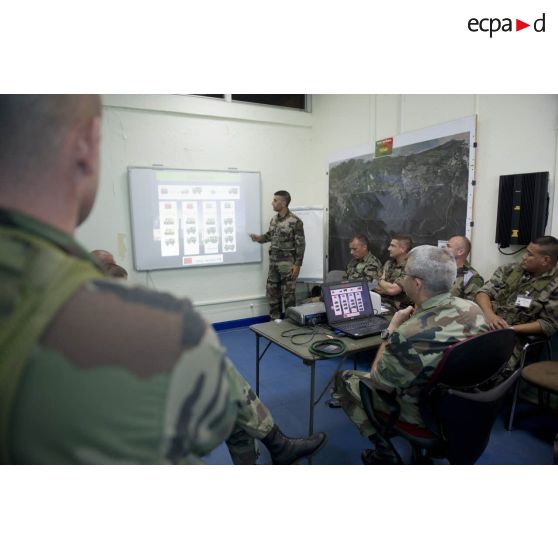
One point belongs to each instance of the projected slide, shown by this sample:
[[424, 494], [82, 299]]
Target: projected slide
[[192, 218]]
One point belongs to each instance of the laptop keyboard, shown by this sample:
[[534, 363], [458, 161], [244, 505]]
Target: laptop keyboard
[[368, 323]]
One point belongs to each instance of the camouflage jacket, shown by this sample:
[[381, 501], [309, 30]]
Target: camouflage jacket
[[467, 282], [510, 281], [415, 348], [120, 375], [368, 268], [286, 235], [392, 272]]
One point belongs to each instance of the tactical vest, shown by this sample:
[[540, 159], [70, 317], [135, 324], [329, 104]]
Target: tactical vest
[[514, 278], [45, 277]]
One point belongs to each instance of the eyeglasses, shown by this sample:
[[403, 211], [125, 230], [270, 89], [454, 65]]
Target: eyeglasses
[[405, 274]]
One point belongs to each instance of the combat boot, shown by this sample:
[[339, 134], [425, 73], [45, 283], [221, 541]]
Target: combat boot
[[286, 451]]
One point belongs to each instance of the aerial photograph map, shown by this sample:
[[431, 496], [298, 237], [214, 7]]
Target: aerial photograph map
[[419, 189]]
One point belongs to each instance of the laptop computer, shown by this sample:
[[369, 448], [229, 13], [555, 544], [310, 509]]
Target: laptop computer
[[349, 309]]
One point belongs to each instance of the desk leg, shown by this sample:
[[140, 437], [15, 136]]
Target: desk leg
[[257, 365], [258, 359], [311, 419], [312, 382]]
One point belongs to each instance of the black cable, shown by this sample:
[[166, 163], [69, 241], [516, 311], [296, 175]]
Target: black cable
[[511, 253], [303, 331], [328, 348], [300, 332]]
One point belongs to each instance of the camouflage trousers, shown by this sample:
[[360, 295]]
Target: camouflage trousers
[[346, 391], [253, 420], [280, 287]]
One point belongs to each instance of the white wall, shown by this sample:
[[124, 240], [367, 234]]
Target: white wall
[[516, 133], [179, 132]]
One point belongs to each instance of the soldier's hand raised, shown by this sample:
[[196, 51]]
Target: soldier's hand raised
[[401, 316]]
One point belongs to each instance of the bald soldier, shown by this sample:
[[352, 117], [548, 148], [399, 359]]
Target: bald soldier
[[413, 345], [109, 265], [104, 256], [92, 370], [468, 280]]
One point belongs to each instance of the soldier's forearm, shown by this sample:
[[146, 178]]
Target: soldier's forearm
[[483, 300], [531, 328], [391, 289], [377, 358]]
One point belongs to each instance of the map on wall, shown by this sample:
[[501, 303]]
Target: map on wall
[[423, 188]]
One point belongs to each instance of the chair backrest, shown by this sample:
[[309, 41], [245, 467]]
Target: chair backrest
[[462, 416], [475, 360]]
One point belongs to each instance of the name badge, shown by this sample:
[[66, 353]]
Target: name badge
[[523, 301]]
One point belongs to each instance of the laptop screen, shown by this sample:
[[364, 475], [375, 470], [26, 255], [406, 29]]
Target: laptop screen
[[347, 301]]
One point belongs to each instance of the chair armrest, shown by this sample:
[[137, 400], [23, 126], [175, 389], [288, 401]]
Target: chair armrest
[[492, 394], [533, 341]]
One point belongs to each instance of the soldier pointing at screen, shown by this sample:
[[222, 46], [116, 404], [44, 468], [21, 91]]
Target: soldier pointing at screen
[[286, 234]]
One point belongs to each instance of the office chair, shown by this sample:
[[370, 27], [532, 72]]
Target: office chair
[[459, 404], [543, 375]]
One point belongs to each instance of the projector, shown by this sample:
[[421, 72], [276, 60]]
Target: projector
[[307, 314]]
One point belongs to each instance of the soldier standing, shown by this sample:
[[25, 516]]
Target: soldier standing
[[286, 234], [91, 370]]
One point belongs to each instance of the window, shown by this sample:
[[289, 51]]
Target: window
[[297, 102], [286, 101]]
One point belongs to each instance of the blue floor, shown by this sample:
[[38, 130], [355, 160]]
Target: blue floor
[[284, 388]]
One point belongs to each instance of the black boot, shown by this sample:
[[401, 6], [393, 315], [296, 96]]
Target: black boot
[[286, 451], [383, 454]]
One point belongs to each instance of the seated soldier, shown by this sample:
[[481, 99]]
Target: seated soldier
[[103, 256], [101, 372], [390, 284], [468, 280], [414, 343], [524, 296], [109, 265], [116, 271], [363, 265]]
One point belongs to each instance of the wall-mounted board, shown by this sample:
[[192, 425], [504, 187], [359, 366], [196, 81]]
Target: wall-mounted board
[[423, 188], [313, 265], [193, 218]]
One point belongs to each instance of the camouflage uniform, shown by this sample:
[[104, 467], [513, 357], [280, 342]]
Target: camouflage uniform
[[411, 355], [368, 268], [392, 272], [467, 282], [286, 235], [510, 281], [120, 374]]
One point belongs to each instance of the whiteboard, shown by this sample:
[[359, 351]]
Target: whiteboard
[[314, 233], [185, 218]]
